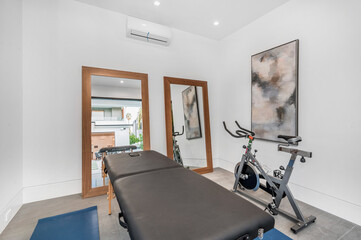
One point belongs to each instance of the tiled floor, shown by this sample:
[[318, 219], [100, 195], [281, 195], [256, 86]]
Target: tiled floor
[[327, 226]]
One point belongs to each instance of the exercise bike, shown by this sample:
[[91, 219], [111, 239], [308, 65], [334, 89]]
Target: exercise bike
[[176, 150], [249, 171]]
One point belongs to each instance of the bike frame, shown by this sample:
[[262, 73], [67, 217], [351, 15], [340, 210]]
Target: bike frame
[[176, 152], [248, 157]]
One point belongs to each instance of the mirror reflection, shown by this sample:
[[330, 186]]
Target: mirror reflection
[[116, 121], [189, 147]]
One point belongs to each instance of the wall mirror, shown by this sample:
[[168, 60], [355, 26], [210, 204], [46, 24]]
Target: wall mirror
[[115, 119], [187, 123]]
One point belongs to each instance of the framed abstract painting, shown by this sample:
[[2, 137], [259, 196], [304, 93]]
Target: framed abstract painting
[[275, 92], [191, 113]]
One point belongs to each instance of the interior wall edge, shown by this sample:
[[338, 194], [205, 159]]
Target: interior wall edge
[[11, 209], [215, 162], [11, 122]]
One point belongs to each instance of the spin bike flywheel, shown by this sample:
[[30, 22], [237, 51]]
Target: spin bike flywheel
[[252, 181]]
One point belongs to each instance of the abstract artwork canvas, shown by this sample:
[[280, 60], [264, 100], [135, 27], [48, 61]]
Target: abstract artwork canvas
[[275, 92], [191, 113]]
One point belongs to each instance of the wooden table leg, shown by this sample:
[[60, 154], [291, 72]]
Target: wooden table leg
[[110, 197], [103, 167]]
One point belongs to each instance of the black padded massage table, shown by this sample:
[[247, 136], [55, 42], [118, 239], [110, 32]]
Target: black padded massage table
[[117, 149], [126, 164], [159, 199], [111, 150]]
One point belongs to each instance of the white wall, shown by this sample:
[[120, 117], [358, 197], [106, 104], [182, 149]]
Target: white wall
[[329, 98], [193, 151], [61, 36], [11, 105]]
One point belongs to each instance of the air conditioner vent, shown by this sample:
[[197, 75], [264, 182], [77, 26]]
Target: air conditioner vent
[[148, 31]]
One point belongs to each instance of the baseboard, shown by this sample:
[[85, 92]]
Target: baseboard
[[323, 201], [10, 210], [195, 162], [53, 190], [215, 162], [227, 165]]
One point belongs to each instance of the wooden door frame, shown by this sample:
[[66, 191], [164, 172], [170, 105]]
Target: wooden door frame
[[168, 118], [87, 72]]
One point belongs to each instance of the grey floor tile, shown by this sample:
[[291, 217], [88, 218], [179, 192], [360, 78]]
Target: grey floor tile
[[353, 234]]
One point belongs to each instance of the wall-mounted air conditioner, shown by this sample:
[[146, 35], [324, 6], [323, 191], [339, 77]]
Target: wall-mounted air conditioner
[[148, 31]]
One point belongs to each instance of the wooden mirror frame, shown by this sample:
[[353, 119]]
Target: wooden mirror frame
[[87, 72], [168, 118]]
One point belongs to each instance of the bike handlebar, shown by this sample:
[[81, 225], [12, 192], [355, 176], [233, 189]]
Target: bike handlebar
[[249, 131], [239, 133], [176, 134]]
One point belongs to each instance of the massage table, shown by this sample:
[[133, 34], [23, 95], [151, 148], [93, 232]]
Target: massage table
[[159, 199], [111, 150], [125, 164]]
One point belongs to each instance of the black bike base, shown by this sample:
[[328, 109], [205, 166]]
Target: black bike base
[[301, 225], [296, 228]]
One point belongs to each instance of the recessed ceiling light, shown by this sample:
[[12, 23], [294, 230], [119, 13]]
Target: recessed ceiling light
[[215, 23], [144, 25], [121, 81], [156, 3]]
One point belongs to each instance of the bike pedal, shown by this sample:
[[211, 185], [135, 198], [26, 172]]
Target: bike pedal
[[272, 209]]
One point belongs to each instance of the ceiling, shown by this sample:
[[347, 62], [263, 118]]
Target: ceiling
[[194, 16], [115, 82]]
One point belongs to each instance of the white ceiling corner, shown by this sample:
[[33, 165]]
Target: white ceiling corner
[[194, 16]]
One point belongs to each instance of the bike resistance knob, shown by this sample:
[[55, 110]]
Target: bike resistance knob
[[303, 160]]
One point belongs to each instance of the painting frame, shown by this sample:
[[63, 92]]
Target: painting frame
[[199, 128], [296, 70]]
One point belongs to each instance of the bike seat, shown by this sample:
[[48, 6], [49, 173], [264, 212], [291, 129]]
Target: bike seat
[[291, 139]]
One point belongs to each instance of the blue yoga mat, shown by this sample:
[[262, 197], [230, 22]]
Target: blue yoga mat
[[274, 234], [78, 225]]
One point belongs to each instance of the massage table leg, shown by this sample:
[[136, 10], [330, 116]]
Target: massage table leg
[[110, 197], [103, 167]]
